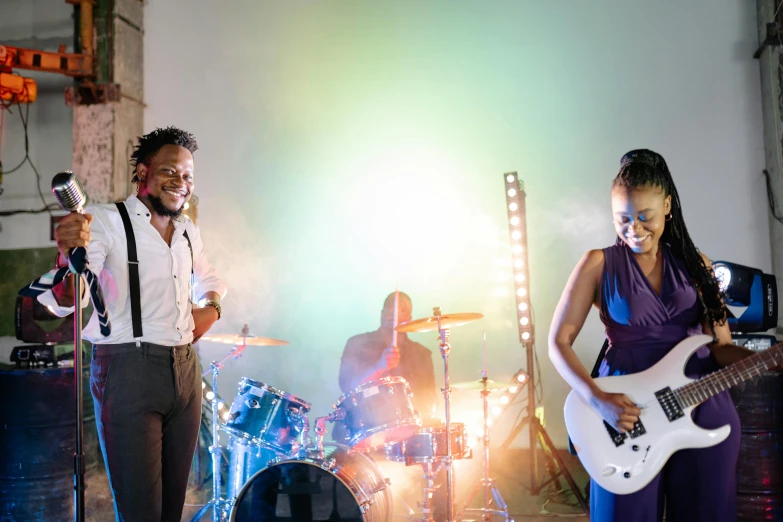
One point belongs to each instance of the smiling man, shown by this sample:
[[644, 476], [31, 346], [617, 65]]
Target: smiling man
[[145, 377]]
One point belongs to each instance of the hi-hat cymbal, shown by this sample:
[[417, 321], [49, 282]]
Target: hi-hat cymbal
[[479, 385], [429, 324], [241, 340]]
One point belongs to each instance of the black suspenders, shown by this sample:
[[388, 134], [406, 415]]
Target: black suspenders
[[133, 271]]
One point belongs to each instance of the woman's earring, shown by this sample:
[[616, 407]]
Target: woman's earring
[[669, 216]]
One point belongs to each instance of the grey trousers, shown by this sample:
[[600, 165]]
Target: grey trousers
[[147, 410]]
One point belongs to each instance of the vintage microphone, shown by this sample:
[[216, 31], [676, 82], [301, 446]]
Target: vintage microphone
[[71, 196]]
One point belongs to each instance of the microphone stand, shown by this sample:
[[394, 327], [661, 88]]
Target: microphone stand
[[78, 456]]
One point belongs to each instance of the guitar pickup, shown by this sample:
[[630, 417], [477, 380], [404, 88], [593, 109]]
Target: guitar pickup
[[669, 403], [638, 430], [617, 437]]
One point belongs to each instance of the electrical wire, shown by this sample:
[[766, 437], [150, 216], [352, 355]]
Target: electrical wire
[[48, 207]]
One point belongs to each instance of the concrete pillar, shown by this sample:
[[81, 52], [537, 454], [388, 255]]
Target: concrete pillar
[[104, 133]]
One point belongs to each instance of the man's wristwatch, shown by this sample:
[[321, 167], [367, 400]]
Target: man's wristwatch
[[215, 304]]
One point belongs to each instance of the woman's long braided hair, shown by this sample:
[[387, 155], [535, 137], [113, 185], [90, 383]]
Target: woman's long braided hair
[[645, 168]]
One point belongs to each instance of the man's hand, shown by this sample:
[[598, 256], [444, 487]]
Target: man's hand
[[390, 358], [73, 231], [203, 318]]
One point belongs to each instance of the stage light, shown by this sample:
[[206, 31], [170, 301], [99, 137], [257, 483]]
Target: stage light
[[221, 405], [513, 390], [515, 204], [203, 385], [520, 378], [210, 395], [750, 295], [496, 411], [226, 415], [504, 399]]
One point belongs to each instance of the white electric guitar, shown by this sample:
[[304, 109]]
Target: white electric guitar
[[623, 463]]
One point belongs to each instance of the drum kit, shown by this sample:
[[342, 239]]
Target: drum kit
[[278, 469]]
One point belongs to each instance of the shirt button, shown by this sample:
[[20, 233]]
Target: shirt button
[[175, 277]]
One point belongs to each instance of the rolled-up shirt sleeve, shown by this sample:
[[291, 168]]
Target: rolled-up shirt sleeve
[[97, 249], [206, 277]]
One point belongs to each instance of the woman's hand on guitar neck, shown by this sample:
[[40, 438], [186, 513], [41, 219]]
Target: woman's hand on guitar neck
[[616, 409]]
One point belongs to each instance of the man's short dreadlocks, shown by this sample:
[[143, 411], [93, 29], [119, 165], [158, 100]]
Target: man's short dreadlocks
[[151, 143]]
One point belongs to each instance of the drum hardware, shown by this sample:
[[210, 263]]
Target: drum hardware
[[320, 429], [442, 323], [486, 483]]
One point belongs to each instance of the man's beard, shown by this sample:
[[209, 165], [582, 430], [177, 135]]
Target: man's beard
[[161, 209]]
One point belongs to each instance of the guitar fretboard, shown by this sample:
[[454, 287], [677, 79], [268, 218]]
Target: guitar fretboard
[[748, 368]]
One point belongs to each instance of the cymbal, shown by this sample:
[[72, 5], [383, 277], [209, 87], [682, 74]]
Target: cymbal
[[429, 324], [479, 385], [240, 340]]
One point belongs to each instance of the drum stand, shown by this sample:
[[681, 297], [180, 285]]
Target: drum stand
[[486, 483], [445, 347], [217, 504]]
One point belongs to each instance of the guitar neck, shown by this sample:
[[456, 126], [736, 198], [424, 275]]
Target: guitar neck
[[699, 391]]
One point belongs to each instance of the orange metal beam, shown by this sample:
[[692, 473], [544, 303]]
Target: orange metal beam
[[70, 64]]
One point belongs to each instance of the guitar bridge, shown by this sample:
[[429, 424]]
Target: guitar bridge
[[669, 403]]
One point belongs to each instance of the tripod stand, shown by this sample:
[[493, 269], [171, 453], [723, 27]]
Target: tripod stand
[[538, 436]]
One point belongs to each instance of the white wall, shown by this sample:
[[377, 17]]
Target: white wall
[[351, 146], [35, 24]]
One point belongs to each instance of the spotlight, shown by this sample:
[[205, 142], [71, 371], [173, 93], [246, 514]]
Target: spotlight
[[751, 297], [496, 411], [520, 378], [226, 415], [210, 395], [515, 205], [504, 399]]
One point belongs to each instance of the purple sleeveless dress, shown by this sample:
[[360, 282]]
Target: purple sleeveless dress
[[698, 485]]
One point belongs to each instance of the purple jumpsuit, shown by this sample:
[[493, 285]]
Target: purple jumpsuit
[[696, 485]]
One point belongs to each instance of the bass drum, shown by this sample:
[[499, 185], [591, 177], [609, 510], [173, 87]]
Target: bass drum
[[337, 485]]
